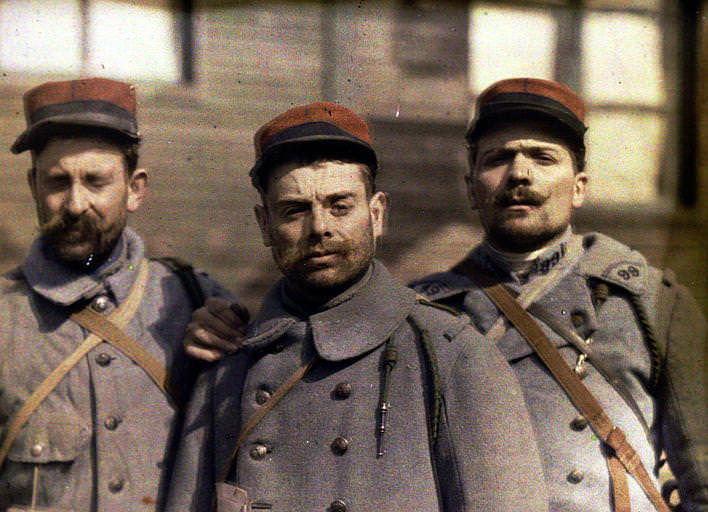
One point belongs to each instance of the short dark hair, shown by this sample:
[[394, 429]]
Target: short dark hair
[[307, 154], [126, 145], [575, 145]]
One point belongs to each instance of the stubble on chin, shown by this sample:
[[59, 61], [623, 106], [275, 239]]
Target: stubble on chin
[[327, 279]]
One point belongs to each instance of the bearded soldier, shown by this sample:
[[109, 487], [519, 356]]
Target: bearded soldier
[[92, 368]]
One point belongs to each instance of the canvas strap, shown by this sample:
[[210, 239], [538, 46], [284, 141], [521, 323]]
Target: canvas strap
[[628, 460], [278, 395], [120, 317]]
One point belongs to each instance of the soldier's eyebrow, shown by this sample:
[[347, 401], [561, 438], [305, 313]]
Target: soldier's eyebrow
[[291, 201], [497, 151], [329, 197], [336, 196], [531, 149]]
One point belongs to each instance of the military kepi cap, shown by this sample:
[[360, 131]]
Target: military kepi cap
[[532, 97], [334, 127], [90, 102]]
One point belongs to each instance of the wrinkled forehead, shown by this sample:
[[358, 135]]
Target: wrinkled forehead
[[537, 131], [315, 179], [94, 151]]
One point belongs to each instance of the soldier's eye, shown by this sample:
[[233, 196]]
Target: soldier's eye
[[495, 160], [97, 181], [57, 182], [546, 159], [340, 208], [293, 210]]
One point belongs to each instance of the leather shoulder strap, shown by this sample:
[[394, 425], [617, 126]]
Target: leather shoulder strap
[[581, 397], [185, 273], [121, 316]]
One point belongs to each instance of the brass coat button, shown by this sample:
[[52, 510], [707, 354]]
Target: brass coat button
[[100, 303], [111, 423], [343, 390], [338, 505], [258, 451], [262, 396], [581, 371], [579, 423], [36, 450], [103, 359], [576, 476], [116, 484], [340, 446]]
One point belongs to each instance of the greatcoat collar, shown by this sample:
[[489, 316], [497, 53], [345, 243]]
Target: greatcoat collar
[[562, 254], [354, 324], [65, 285], [609, 260]]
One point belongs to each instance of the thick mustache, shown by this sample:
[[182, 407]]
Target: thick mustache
[[65, 223], [520, 195]]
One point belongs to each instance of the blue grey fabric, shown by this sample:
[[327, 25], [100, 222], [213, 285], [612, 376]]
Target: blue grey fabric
[[485, 457], [574, 465], [100, 440]]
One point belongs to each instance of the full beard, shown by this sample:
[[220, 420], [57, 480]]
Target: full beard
[[81, 241]]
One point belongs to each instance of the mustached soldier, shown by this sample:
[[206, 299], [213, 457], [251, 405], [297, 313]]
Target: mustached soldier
[[623, 329], [350, 393], [86, 419]]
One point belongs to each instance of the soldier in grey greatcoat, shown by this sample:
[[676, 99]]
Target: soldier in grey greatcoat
[[99, 440], [399, 404], [641, 333]]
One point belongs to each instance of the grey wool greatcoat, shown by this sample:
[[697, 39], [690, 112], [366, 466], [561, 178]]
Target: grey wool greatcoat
[[316, 450], [674, 410], [99, 441]]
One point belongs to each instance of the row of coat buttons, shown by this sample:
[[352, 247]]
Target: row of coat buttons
[[114, 484], [342, 391], [579, 423], [339, 446], [100, 304]]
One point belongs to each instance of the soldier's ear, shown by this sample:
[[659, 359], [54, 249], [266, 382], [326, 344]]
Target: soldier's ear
[[469, 181], [137, 186], [378, 208], [580, 183], [32, 182], [263, 224]]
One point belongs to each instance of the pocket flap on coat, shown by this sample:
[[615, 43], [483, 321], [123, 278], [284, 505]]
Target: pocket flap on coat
[[50, 438]]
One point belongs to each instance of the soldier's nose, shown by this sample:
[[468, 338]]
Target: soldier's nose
[[520, 169], [76, 201]]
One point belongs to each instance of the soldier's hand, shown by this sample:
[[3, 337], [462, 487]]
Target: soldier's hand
[[216, 329]]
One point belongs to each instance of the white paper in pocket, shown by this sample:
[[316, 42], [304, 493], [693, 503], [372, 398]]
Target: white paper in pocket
[[230, 498]]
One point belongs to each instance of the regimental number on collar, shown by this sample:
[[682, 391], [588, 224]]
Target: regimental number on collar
[[627, 273], [543, 265]]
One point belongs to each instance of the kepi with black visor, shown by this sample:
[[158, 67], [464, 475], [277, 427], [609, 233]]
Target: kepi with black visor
[[321, 127]]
